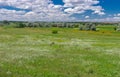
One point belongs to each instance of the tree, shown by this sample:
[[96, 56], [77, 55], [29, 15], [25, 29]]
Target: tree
[[118, 27], [21, 25], [88, 27], [6, 22]]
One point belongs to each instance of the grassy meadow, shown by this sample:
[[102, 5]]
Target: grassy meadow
[[37, 52]]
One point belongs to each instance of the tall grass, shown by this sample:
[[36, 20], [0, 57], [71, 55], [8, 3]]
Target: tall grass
[[36, 52]]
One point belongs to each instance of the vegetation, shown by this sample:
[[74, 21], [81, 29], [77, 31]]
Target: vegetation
[[6, 22], [117, 28], [54, 31], [88, 27], [38, 52]]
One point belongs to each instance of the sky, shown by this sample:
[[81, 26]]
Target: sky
[[60, 10]]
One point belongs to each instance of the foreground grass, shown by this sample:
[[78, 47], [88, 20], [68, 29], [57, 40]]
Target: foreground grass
[[36, 52]]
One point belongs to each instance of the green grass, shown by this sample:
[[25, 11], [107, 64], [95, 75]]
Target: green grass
[[37, 52], [107, 27]]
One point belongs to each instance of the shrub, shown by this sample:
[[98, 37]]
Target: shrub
[[81, 28], [93, 27], [40, 25], [21, 25], [117, 27], [11, 25], [54, 31], [76, 25], [97, 29], [1, 24], [30, 25], [6, 22], [88, 27]]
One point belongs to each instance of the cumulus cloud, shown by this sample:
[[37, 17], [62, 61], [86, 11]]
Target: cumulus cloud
[[46, 10], [38, 10], [116, 17], [87, 17], [118, 14], [80, 6]]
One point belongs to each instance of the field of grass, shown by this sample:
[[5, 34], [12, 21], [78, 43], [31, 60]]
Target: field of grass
[[36, 52]]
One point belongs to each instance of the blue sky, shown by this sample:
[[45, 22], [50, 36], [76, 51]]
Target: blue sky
[[60, 10], [111, 6]]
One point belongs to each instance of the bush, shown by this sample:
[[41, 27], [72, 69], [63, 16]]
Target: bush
[[88, 27], [6, 22], [1, 24], [115, 28], [11, 25], [97, 29], [81, 28], [20, 25], [54, 32], [93, 28], [118, 28]]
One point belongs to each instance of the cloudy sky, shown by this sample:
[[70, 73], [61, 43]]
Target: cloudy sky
[[60, 10]]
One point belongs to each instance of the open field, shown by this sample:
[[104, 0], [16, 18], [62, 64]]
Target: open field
[[36, 52]]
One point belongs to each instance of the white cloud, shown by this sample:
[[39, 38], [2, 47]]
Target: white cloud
[[116, 17], [118, 14], [45, 10], [39, 10], [6, 14], [80, 6], [3, 11], [87, 17]]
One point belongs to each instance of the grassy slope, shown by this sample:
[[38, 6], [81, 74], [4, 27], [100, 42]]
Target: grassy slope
[[36, 52]]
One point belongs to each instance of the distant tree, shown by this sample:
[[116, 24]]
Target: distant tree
[[6, 22], [118, 27], [80, 28], [88, 27], [75, 25], [21, 25], [30, 25], [115, 28], [93, 27], [1, 24]]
